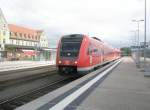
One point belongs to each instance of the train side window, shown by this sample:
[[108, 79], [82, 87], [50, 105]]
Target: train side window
[[95, 50], [89, 51]]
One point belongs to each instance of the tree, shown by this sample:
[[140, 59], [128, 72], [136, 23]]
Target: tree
[[126, 51]]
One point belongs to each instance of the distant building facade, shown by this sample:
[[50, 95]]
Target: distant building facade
[[4, 35], [43, 41], [20, 43], [21, 36], [24, 43]]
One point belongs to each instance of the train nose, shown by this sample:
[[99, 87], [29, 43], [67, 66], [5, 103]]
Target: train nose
[[59, 62], [68, 62], [75, 62]]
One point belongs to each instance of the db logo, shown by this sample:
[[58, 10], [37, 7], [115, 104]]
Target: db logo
[[68, 54], [67, 62]]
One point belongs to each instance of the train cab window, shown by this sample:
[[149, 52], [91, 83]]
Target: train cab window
[[70, 45]]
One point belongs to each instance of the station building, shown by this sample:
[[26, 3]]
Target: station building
[[4, 35], [25, 43], [22, 43]]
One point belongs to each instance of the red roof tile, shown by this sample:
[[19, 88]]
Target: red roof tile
[[23, 30]]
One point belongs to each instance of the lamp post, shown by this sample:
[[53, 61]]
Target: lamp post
[[145, 39], [138, 43], [134, 39]]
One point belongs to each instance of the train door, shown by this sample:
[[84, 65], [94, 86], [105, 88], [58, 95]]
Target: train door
[[90, 54], [101, 55]]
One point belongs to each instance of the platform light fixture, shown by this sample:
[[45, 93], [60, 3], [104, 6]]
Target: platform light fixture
[[138, 43], [145, 35], [135, 39]]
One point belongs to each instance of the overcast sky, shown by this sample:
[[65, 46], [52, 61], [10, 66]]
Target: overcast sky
[[110, 20]]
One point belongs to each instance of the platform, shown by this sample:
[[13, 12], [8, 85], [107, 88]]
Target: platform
[[125, 88], [18, 70], [14, 65]]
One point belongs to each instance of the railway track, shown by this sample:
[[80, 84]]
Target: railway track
[[10, 78], [7, 83], [23, 98], [14, 102]]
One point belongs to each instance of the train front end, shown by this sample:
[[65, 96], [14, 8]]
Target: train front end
[[68, 53]]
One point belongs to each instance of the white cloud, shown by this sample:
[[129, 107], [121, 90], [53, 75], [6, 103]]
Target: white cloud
[[108, 19]]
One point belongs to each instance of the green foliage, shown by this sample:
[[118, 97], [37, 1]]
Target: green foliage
[[126, 51]]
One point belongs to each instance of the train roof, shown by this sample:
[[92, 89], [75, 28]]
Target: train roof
[[97, 39], [73, 35], [72, 38]]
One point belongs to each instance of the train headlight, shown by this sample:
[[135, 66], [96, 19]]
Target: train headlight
[[59, 62], [75, 62]]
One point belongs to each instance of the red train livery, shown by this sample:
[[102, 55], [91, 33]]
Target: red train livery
[[79, 53]]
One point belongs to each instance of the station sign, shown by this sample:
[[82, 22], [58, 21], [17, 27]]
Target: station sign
[[142, 44]]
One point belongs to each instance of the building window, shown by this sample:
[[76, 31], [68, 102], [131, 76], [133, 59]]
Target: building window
[[25, 36], [4, 26], [12, 41], [30, 43], [22, 42], [4, 33], [17, 42], [34, 43], [29, 36], [4, 41], [12, 34], [20, 34], [15, 33]]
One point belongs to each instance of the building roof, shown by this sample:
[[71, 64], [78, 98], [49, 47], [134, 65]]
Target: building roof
[[21, 29], [24, 33]]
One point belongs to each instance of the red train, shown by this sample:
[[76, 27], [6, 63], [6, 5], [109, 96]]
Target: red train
[[79, 53]]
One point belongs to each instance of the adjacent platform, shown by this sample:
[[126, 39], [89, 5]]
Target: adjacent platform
[[13, 65], [125, 88], [14, 70]]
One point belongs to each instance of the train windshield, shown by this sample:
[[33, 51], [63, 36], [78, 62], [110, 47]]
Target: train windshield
[[70, 45]]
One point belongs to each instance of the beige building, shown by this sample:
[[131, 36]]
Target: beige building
[[23, 36], [21, 43], [4, 35], [43, 39], [25, 43]]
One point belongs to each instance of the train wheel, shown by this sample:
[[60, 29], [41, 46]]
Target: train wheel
[[60, 71]]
